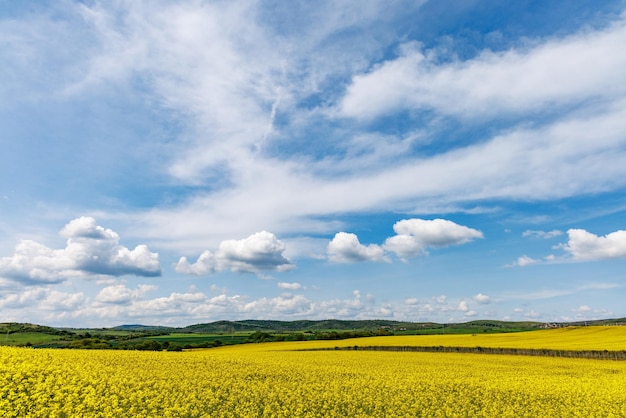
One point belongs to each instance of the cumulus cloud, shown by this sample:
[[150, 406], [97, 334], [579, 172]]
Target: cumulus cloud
[[482, 299], [585, 246], [346, 248], [44, 299], [119, 303], [289, 286], [581, 246], [90, 250], [122, 295], [415, 235], [259, 252], [524, 260]]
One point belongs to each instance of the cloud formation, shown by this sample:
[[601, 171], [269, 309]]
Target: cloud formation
[[119, 294], [482, 299], [346, 248], [289, 286], [235, 117], [582, 245], [415, 235], [219, 63], [90, 250], [542, 234], [585, 246], [558, 72], [259, 252], [523, 261]]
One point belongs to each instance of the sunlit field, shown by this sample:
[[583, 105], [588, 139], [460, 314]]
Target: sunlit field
[[570, 338], [272, 380]]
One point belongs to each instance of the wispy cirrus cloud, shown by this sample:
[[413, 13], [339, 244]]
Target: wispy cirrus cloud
[[188, 124], [548, 293], [542, 234], [558, 72]]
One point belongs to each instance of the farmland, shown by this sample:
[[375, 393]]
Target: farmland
[[233, 332], [278, 380], [569, 338]]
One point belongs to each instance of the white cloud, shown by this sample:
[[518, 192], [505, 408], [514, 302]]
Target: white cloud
[[405, 246], [281, 305], [63, 301], [225, 76], [289, 286], [412, 239], [120, 294], [259, 252], [582, 246], [415, 235], [557, 72], [346, 248], [463, 306], [115, 294], [482, 299], [97, 250], [582, 309], [542, 234], [240, 92], [90, 250], [43, 299], [118, 303], [552, 161], [585, 246], [205, 264], [524, 260]]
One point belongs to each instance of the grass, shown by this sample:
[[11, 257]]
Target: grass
[[199, 338], [23, 338]]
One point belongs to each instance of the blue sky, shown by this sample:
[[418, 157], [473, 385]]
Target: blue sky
[[183, 162]]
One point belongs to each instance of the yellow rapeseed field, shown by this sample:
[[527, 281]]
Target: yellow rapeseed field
[[272, 380], [611, 338]]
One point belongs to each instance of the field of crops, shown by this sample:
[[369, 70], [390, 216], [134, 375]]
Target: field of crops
[[570, 338], [272, 380]]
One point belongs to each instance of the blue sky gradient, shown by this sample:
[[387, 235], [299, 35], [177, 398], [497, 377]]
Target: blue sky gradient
[[176, 163]]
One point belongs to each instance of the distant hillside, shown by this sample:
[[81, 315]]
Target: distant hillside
[[17, 327], [143, 328], [343, 325], [271, 326], [303, 325], [612, 321]]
